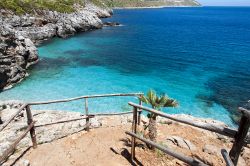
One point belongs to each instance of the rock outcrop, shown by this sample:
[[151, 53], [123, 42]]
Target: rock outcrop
[[16, 55], [19, 36], [112, 24], [181, 142]]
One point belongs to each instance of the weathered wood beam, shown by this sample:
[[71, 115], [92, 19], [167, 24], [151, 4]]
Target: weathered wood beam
[[245, 112], [247, 140], [139, 111], [210, 127], [12, 117], [168, 151], [12, 148], [240, 139], [111, 114], [86, 113], [226, 157], [32, 130], [1, 122], [83, 97], [63, 121], [134, 130]]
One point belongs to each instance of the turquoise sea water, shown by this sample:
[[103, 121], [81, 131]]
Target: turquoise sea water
[[199, 56]]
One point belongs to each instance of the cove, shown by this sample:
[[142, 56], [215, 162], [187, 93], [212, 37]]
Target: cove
[[199, 56]]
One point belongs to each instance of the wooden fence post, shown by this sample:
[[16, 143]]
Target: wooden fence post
[[139, 112], [1, 122], [87, 114], [134, 125], [32, 130], [240, 137]]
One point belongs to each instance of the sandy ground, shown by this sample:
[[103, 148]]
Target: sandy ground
[[94, 148], [99, 147], [110, 146]]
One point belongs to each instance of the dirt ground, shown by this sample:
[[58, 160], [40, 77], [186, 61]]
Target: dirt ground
[[98, 147], [111, 146]]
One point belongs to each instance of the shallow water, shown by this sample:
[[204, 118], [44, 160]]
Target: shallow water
[[199, 56]]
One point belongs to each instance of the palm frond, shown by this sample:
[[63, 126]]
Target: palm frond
[[158, 102], [171, 103], [152, 97], [143, 99], [163, 100]]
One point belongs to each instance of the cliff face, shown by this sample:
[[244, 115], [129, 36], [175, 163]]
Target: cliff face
[[19, 36], [16, 55]]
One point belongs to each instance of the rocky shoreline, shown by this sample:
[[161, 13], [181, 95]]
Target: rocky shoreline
[[20, 36]]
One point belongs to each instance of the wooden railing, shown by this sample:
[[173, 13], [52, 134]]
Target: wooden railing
[[85, 97], [86, 103], [30, 128], [12, 117], [240, 136], [31, 123]]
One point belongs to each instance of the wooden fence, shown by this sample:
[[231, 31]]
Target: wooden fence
[[240, 136], [31, 123]]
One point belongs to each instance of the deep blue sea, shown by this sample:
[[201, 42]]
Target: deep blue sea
[[199, 56]]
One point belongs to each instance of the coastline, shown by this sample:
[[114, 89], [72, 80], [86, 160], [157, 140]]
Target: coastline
[[20, 36], [38, 113], [29, 31], [155, 7]]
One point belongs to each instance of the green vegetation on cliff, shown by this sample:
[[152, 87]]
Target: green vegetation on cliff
[[29, 6], [67, 6], [149, 3]]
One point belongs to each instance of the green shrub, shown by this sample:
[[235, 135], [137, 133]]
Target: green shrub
[[29, 6]]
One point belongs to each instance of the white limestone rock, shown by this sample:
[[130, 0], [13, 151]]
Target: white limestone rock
[[181, 142]]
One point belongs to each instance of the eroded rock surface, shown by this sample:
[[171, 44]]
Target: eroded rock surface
[[16, 55], [181, 142]]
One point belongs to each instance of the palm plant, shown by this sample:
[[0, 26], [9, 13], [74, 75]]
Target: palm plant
[[157, 102]]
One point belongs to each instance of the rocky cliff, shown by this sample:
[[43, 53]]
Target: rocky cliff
[[19, 35]]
